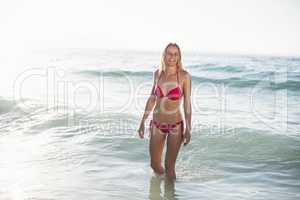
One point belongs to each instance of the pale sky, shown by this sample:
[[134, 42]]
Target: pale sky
[[216, 26]]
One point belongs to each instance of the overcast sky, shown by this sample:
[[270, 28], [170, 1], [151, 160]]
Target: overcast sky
[[223, 26]]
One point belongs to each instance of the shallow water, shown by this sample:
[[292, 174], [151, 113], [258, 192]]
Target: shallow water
[[71, 131]]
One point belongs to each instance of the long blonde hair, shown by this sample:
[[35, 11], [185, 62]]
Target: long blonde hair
[[162, 66]]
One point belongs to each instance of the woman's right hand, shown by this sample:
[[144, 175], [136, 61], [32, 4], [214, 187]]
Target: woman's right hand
[[141, 130]]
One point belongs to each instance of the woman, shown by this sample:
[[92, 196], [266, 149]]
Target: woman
[[171, 84]]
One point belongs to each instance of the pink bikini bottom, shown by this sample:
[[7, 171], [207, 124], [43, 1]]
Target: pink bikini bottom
[[165, 127]]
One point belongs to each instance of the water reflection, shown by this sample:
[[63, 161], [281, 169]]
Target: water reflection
[[155, 192]]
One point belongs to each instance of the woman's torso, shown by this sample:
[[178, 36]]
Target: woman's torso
[[169, 97]]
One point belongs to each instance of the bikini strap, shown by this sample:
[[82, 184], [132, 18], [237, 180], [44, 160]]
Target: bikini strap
[[177, 77]]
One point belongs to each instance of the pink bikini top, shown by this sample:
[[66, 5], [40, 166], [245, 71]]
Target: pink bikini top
[[173, 94]]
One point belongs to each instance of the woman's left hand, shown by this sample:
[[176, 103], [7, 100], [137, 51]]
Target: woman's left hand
[[186, 137]]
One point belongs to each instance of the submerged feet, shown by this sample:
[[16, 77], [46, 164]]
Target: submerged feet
[[160, 172]]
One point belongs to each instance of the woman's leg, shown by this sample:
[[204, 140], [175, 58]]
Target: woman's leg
[[174, 141], [156, 146]]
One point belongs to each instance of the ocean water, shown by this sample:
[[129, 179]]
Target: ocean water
[[68, 121]]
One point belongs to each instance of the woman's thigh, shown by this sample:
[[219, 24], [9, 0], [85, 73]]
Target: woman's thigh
[[156, 144]]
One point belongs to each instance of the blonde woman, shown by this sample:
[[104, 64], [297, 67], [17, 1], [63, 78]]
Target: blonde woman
[[172, 84]]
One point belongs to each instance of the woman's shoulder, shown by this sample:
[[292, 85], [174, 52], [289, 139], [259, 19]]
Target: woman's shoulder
[[185, 74]]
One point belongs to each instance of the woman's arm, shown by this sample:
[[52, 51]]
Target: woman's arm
[[151, 101], [149, 107], [187, 84]]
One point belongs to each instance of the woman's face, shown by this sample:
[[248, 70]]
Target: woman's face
[[172, 56]]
